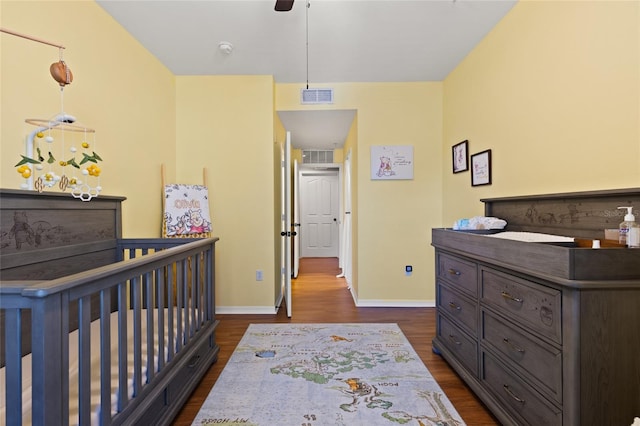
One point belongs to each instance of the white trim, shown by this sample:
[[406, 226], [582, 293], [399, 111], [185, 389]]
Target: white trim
[[246, 310], [372, 303]]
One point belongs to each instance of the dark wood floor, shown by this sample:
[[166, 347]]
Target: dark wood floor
[[319, 297]]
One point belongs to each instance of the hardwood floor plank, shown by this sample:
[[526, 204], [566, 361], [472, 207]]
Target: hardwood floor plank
[[320, 297]]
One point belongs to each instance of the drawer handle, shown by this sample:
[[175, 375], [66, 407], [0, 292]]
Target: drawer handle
[[454, 340], [514, 347], [454, 272], [510, 297], [512, 395], [452, 305], [193, 361]]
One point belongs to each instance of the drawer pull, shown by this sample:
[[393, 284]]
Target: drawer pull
[[510, 297], [452, 305], [514, 347], [454, 272], [512, 395], [454, 340], [193, 361]]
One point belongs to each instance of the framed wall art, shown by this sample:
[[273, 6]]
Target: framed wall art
[[460, 156], [391, 162], [481, 168]]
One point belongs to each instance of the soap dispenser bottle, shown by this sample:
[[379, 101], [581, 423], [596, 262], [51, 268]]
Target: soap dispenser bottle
[[628, 231]]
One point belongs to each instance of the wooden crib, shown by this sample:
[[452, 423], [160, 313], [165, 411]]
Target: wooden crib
[[94, 328]]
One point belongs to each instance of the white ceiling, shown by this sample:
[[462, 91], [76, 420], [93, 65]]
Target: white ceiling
[[330, 41], [326, 129]]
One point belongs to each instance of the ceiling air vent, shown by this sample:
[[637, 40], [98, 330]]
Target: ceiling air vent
[[317, 156], [316, 96]]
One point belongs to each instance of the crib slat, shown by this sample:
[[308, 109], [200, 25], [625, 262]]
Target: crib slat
[[137, 336], [123, 350], [150, 329], [64, 357], [84, 360], [185, 306], [200, 289], [194, 291], [105, 357], [161, 307], [170, 302], [46, 347], [13, 365], [180, 304]]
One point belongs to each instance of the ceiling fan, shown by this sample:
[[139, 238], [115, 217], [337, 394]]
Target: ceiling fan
[[283, 5]]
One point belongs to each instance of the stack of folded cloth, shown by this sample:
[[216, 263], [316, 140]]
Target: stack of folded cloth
[[479, 222]]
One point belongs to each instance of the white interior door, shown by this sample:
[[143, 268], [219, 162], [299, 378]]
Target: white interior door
[[283, 245], [345, 247], [285, 233], [320, 209], [296, 219]]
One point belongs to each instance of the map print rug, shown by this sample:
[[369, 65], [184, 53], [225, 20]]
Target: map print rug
[[326, 374]]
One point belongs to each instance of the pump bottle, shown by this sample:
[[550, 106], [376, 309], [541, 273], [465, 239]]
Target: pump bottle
[[629, 230]]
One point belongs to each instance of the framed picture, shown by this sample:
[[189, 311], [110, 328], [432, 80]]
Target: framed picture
[[391, 162], [481, 168], [460, 156]]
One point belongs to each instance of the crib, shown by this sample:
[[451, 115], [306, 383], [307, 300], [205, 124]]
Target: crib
[[94, 328]]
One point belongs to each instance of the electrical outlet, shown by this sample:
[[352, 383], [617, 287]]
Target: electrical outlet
[[408, 269], [259, 275]]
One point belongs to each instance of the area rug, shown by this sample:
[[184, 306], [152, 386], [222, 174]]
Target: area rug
[[326, 374]]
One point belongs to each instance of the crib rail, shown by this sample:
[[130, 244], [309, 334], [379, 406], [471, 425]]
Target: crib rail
[[162, 293]]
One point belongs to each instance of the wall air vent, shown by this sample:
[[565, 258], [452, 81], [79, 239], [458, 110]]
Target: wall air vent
[[316, 96], [317, 156]]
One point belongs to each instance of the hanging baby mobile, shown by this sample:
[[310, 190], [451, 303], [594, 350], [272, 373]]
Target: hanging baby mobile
[[60, 152]]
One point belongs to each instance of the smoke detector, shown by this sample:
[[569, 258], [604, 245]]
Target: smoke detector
[[225, 47]]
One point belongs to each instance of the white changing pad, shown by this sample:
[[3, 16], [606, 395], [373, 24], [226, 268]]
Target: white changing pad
[[532, 237]]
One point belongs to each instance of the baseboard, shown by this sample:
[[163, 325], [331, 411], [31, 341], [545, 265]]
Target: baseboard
[[367, 303], [372, 303], [246, 310]]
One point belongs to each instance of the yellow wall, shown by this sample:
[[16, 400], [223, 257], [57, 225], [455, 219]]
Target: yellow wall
[[394, 218], [133, 112], [554, 92], [226, 124]]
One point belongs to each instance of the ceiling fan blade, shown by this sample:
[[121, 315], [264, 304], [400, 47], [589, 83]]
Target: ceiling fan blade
[[283, 5]]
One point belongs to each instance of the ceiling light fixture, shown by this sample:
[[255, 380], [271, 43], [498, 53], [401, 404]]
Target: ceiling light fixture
[[225, 47]]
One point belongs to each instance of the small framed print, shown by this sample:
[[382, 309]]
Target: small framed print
[[481, 168], [460, 156]]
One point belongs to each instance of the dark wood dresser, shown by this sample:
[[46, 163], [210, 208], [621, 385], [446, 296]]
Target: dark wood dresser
[[544, 333]]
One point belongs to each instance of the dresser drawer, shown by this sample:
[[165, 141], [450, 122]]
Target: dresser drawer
[[187, 376], [519, 398], [460, 272], [457, 341], [541, 361], [533, 305], [457, 306]]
